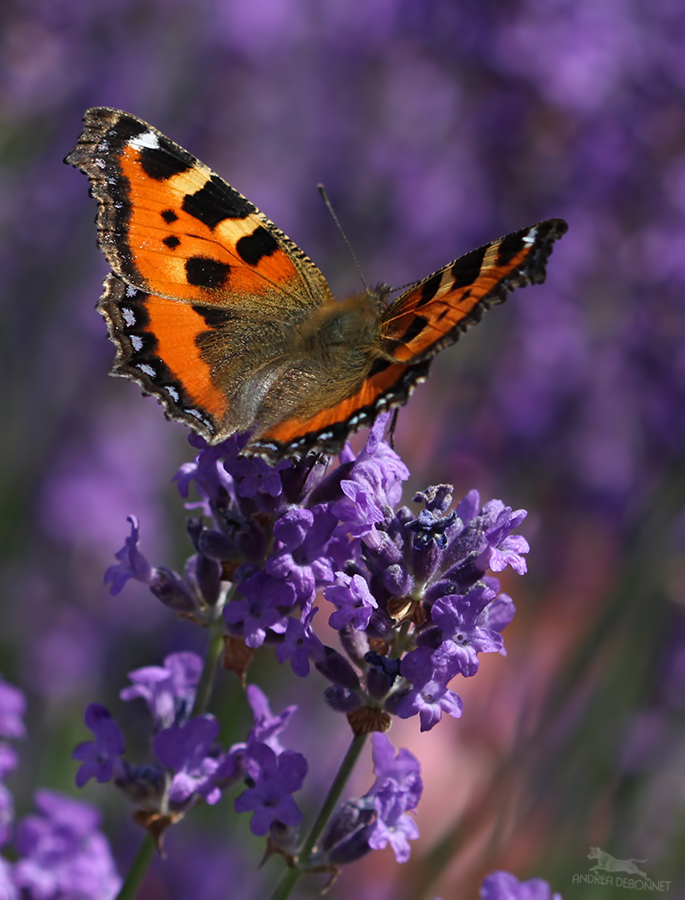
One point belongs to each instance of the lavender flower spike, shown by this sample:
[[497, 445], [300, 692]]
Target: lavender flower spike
[[505, 886]]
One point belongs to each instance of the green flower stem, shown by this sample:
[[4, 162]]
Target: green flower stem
[[138, 869], [212, 656], [292, 875]]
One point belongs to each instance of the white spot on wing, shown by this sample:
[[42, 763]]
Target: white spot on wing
[[147, 140], [173, 393], [147, 370], [137, 342], [531, 237], [128, 315]]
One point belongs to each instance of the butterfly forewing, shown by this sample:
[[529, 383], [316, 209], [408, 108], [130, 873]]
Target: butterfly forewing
[[433, 313], [170, 226]]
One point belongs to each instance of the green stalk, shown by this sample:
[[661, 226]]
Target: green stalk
[[138, 869], [204, 688], [292, 875]]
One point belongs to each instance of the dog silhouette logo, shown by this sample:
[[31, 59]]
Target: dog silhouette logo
[[608, 863]]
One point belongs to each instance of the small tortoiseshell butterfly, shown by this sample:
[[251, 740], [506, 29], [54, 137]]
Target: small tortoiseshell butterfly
[[233, 328]]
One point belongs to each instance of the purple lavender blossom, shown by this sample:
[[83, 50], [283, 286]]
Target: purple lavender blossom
[[168, 690], [360, 509], [300, 556], [165, 584], [275, 778], [433, 521], [300, 643], [208, 473], [380, 817], [505, 886], [429, 673], [100, 756], [354, 600], [62, 854], [505, 549], [184, 749], [6, 816], [458, 617], [254, 475], [132, 563], [260, 609], [12, 711], [267, 726], [8, 890]]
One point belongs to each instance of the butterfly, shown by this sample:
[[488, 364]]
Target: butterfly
[[218, 314]]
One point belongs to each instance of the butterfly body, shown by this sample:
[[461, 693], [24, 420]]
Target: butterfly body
[[233, 328]]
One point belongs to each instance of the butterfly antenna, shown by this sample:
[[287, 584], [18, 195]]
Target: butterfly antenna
[[329, 207]]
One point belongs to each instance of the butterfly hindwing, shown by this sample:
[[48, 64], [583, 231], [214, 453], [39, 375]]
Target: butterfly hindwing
[[156, 341], [387, 386]]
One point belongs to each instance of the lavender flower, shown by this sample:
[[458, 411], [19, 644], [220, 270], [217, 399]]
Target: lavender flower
[[168, 690], [262, 608], [354, 600], [505, 886], [62, 853], [166, 585], [380, 566], [267, 726], [99, 757], [276, 778], [132, 563], [429, 673], [380, 817], [12, 710], [300, 556], [185, 749]]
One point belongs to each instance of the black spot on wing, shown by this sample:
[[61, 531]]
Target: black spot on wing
[[169, 216], [171, 241], [205, 272], [379, 365], [254, 247], [215, 316], [124, 129], [215, 202], [416, 326], [429, 289], [467, 268], [510, 247], [165, 160]]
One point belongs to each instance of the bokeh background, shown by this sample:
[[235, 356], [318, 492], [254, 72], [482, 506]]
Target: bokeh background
[[436, 125]]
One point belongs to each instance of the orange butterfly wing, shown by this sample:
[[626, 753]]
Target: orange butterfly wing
[[423, 320], [170, 226], [434, 312], [203, 285]]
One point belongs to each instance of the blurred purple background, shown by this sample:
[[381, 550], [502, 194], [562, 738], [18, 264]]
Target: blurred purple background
[[435, 126]]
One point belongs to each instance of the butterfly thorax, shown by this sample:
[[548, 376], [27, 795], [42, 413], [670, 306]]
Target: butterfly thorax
[[328, 356]]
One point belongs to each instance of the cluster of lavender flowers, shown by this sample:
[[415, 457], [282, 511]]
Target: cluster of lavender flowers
[[58, 851], [410, 601]]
